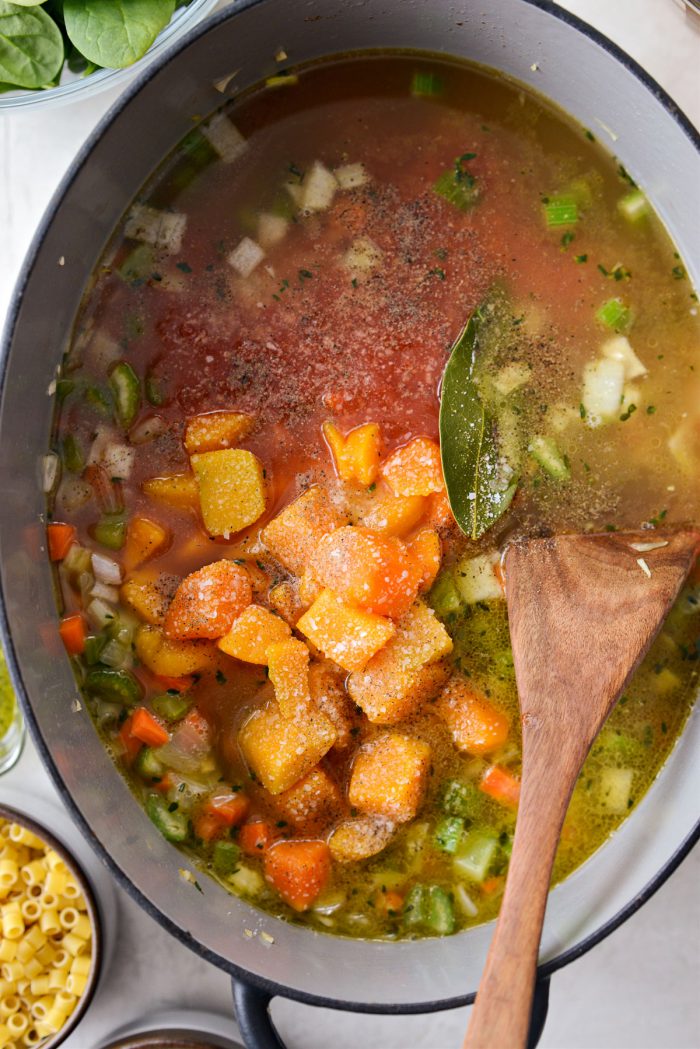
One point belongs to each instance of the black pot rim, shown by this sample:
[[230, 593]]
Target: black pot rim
[[271, 987]]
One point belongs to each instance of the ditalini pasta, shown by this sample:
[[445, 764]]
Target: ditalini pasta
[[45, 939]]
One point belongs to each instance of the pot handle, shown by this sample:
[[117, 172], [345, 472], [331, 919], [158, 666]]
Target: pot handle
[[252, 1007]]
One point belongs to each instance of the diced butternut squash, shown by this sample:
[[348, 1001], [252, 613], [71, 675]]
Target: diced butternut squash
[[285, 600], [253, 633], [279, 750], [172, 658], [178, 490], [356, 456], [396, 514], [216, 430], [231, 489], [348, 636], [389, 776], [367, 570], [293, 535], [407, 672], [476, 726], [328, 692], [312, 804], [145, 539], [309, 589], [439, 512], [361, 837], [207, 602], [415, 469], [299, 870], [425, 549], [288, 667], [147, 598]]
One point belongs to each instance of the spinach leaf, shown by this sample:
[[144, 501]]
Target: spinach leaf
[[31, 47], [116, 33], [479, 483]]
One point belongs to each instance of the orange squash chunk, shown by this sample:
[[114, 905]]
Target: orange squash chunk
[[407, 671], [252, 634], [216, 430], [280, 750], [178, 490], [476, 726], [360, 837], [356, 456], [172, 658], [147, 597], [328, 693], [293, 535], [299, 870], [367, 570], [396, 514], [288, 665], [145, 539], [231, 489], [208, 601], [389, 776], [348, 636], [415, 469], [312, 804], [286, 601], [426, 551]]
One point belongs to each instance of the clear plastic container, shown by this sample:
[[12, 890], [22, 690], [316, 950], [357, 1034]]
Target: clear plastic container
[[74, 86]]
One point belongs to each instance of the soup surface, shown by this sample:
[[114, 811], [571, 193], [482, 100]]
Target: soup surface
[[291, 649]]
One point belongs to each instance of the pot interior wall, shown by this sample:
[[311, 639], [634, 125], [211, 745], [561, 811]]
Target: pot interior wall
[[525, 40]]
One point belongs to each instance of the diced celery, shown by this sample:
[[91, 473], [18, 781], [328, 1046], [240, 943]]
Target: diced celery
[[458, 185], [461, 799], [126, 389], [225, 857], [633, 206], [444, 596], [173, 825], [441, 915], [476, 578], [561, 211], [475, 855], [426, 85], [116, 655], [619, 744], [155, 391], [96, 398], [415, 907], [545, 452], [246, 880], [78, 559], [171, 706], [614, 314], [148, 765], [73, 455], [448, 833], [614, 790], [110, 531], [93, 647]]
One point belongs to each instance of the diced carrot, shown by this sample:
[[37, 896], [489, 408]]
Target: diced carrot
[[60, 539], [415, 469], [73, 634], [207, 827], [254, 838], [229, 809], [356, 456], [145, 539], [492, 885], [396, 514], [349, 636], [178, 490], [367, 570], [129, 742], [162, 785], [477, 727], [299, 870], [145, 728], [216, 430], [499, 784], [252, 633], [426, 551], [208, 601], [175, 684], [390, 902]]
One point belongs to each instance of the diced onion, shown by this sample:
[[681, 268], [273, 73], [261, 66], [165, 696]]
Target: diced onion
[[103, 350], [104, 592], [99, 613], [49, 471], [106, 570], [106, 712], [271, 229], [476, 578], [603, 385], [118, 460], [351, 176], [224, 137], [246, 256], [465, 901], [619, 349], [296, 192], [363, 256], [615, 788], [319, 188], [148, 429], [103, 436], [161, 229]]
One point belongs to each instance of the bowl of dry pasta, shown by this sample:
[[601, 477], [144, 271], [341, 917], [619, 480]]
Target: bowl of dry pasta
[[50, 936]]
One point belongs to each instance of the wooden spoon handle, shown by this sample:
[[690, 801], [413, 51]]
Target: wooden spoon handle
[[501, 1015]]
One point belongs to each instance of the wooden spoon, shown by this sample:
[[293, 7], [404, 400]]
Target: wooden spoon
[[583, 612]]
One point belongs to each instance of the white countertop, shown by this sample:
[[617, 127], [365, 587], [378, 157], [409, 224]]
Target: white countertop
[[639, 989]]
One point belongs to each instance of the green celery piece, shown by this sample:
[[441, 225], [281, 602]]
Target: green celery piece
[[458, 186], [171, 706], [476, 854], [561, 211], [614, 314], [225, 857], [110, 531], [126, 389], [415, 907], [73, 455], [545, 452], [441, 915], [448, 833], [147, 764], [93, 648]]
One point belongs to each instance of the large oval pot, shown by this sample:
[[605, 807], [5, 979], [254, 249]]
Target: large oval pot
[[603, 89]]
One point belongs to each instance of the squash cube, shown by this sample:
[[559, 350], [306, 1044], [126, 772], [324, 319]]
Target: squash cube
[[367, 570], [288, 664], [326, 684], [178, 490], [348, 636], [286, 601], [396, 514], [252, 634], [397, 680], [216, 430], [356, 456], [279, 750], [231, 489], [147, 597], [173, 658], [145, 539], [389, 776], [312, 804], [415, 469], [293, 535], [476, 726], [208, 601], [425, 549], [359, 838]]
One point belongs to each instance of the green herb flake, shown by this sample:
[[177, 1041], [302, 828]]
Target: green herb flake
[[580, 258]]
